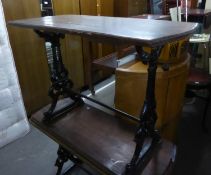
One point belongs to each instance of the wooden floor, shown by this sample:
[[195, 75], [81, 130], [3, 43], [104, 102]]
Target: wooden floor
[[102, 140]]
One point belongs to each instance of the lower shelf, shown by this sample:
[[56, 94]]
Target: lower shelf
[[103, 141]]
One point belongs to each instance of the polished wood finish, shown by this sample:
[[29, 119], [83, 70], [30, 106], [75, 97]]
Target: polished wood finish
[[200, 80], [152, 16], [194, 4], [110, 29], [114, 60], [93, 51], [125, 8], [103, 141], [199, 15], [85, 127], [131, 81], [29, 54], [72, 45], [29, 51]]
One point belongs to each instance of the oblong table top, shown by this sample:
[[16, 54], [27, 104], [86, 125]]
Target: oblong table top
[[115, 29]]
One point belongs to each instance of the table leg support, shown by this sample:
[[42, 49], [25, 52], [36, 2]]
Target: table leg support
[[63, 156], [61, 85], [148, 115]]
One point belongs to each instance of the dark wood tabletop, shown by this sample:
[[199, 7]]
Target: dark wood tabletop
[[153, 16], [112, 29]]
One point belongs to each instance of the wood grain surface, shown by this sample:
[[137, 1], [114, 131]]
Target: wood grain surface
[[103, 141], [118, 30], [29, 54]]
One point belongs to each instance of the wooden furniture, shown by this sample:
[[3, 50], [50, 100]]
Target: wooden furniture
[[198, 15], [125, 8], [199, 79], [98, 50], [127, 53], [153, 16], [61, 124], [130, 88], [167, 4], [74, 48], [29, 54], [110, 148]]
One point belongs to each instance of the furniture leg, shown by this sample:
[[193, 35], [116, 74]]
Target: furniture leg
[[148, 115], [61, 85], [62, 158], [90, 72]]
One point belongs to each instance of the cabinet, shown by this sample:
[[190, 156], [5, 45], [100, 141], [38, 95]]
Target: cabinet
[[124, 8]]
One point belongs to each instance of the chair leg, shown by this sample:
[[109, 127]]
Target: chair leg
[[205, 112]]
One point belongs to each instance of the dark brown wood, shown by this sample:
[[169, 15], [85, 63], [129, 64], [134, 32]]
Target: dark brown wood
[[167, 4], [197, 12], [114, 60], [153, 16], [112, 29], [199, 15], [125, 8], [103, 141], [95, 8], [29, 54]]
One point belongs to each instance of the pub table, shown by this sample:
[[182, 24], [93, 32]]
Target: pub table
[[110, 143]]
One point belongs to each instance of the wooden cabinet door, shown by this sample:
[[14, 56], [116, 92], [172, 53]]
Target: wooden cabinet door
[[29, 54], [125, 8], [137, 7], [72, 44]]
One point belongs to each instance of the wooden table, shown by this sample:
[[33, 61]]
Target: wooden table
[[198, 15], [115, 143]]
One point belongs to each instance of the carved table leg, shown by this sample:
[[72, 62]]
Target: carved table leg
[[148, 115], [63, 156], [61, 85]]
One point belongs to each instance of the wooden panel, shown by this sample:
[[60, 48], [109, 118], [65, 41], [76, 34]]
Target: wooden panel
[[169, 85], [125, 8], [71, 45], [109, 141], [194, 4], [29, 54], [137, 7], [96, 7], [106, 10], [88, 7], [121, 8]]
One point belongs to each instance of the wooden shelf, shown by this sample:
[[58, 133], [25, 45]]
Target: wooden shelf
[[115, 60], [104, 141]]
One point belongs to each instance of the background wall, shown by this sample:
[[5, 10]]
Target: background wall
[[13, 122], [208, 4]]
